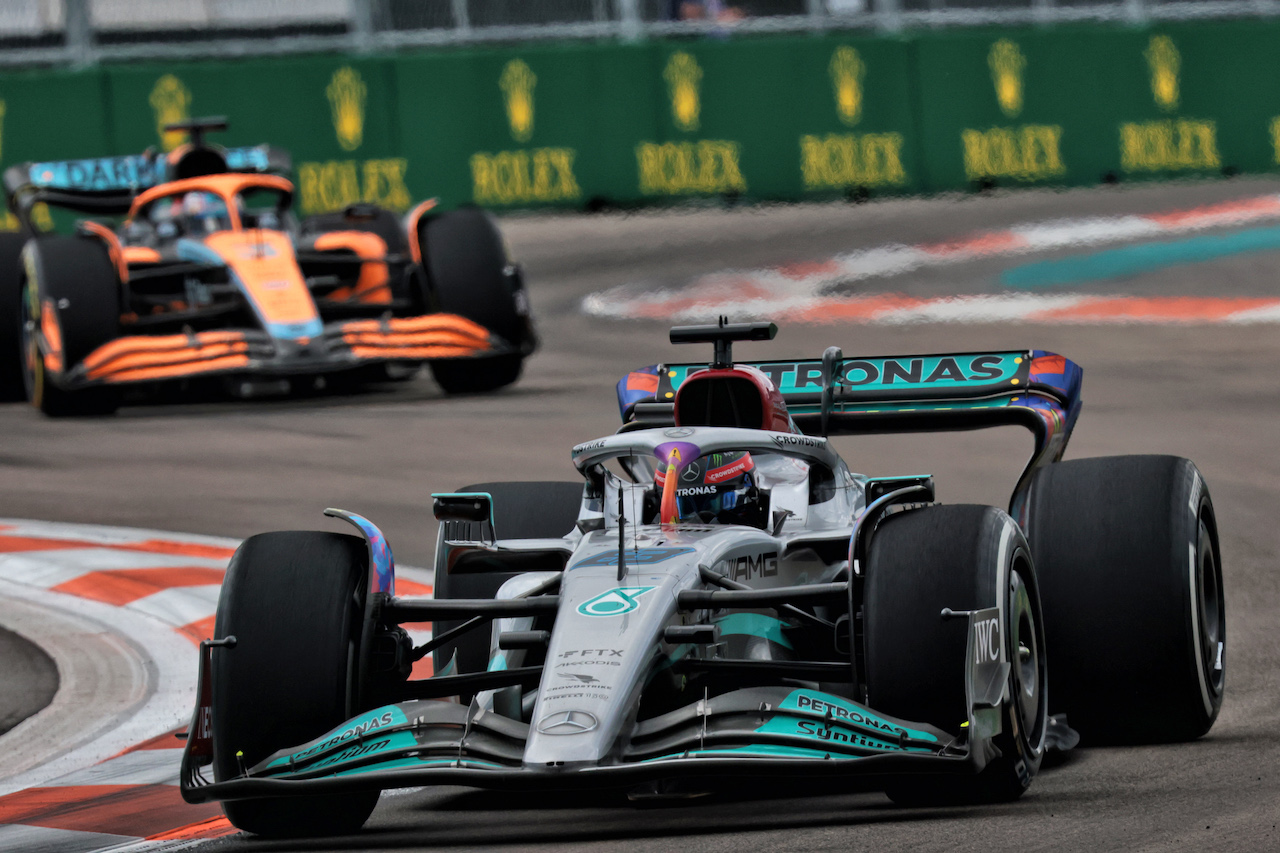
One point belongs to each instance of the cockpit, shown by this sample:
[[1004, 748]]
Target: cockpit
[[199, 207]]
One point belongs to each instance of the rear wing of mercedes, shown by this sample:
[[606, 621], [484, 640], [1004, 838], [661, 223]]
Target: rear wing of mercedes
[[835, 395], [879, 394]]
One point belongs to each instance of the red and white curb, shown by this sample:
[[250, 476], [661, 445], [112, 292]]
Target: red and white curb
[[121, 611], [800, 292]]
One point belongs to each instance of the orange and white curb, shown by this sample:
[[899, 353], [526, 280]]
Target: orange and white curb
[[804, 292], [122, 612]]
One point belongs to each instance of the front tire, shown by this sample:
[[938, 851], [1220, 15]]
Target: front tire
[[963, 557], [468, 274], [1127, 551], [292, 601], [70, 292]]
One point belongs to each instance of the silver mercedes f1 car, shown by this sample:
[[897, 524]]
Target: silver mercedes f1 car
[[720, 597]]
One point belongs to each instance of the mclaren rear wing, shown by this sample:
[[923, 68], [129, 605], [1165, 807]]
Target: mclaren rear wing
[[834, 395], [107, 185]]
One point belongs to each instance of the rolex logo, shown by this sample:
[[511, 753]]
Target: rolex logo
[[517, 84], [1165, 63], [683, 77], [347, 94], [1007, 62], [171, 102], [846, 70]]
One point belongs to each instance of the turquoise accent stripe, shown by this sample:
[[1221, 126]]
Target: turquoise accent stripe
[[754, 625], [1131, 260], [498, 664]]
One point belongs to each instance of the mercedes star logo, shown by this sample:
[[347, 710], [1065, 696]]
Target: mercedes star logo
[[692, 474], [567, 723]]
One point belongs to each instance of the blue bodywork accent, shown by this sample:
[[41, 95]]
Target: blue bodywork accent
[[130, 173], [293, 331], [382, 565], [99, 174]]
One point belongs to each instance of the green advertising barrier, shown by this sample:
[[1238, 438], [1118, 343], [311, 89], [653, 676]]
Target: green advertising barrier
[[50, 116], [1079, 106], [780, 118], [1227, 74], [769, 118], [336, 115], [534, 127], [789, 117]]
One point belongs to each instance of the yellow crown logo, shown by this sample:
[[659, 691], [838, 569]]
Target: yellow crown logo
[[171, 102], [347, 93], [846, 71], [683, 76], [1007, 62], [517, 82], [1165, 63]]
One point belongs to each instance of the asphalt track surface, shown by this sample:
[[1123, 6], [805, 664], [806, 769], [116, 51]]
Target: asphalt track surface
[[1211, 393]]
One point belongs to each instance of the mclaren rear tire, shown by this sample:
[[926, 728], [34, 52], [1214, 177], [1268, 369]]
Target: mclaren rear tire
[[11, 385], [1131, 577], [293, 601], [468, 274], [531, 510], [70, 291], [962, 557]]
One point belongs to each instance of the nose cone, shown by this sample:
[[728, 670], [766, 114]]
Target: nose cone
[[606, 636]]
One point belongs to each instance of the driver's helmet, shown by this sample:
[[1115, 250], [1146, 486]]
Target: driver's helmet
[[717, 488], [206, 211]]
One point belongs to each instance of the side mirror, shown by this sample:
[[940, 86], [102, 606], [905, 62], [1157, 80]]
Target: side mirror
[[881, 486], [463, 506]]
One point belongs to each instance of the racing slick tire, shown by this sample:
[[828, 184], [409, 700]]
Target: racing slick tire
[[1131, 579], [75, 278], [468, 274], [11, 385], [529, 510], [963, 557], [292, 601]]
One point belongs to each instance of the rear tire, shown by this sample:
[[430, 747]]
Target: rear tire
[[532, 510], [292, 601], [1130, 571], [467, 272], [960, 557], [11, 385], [73, 278]]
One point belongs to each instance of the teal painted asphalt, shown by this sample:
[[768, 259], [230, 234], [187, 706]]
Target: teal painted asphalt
[[1132, 260]]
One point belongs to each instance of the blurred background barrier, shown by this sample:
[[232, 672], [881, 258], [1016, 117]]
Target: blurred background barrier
[[617, 120]]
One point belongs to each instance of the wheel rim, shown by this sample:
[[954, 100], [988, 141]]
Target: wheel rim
[[1212, 612], [1027, 659]]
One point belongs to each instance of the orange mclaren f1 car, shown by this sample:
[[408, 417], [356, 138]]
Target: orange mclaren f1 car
[[210, 275]]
